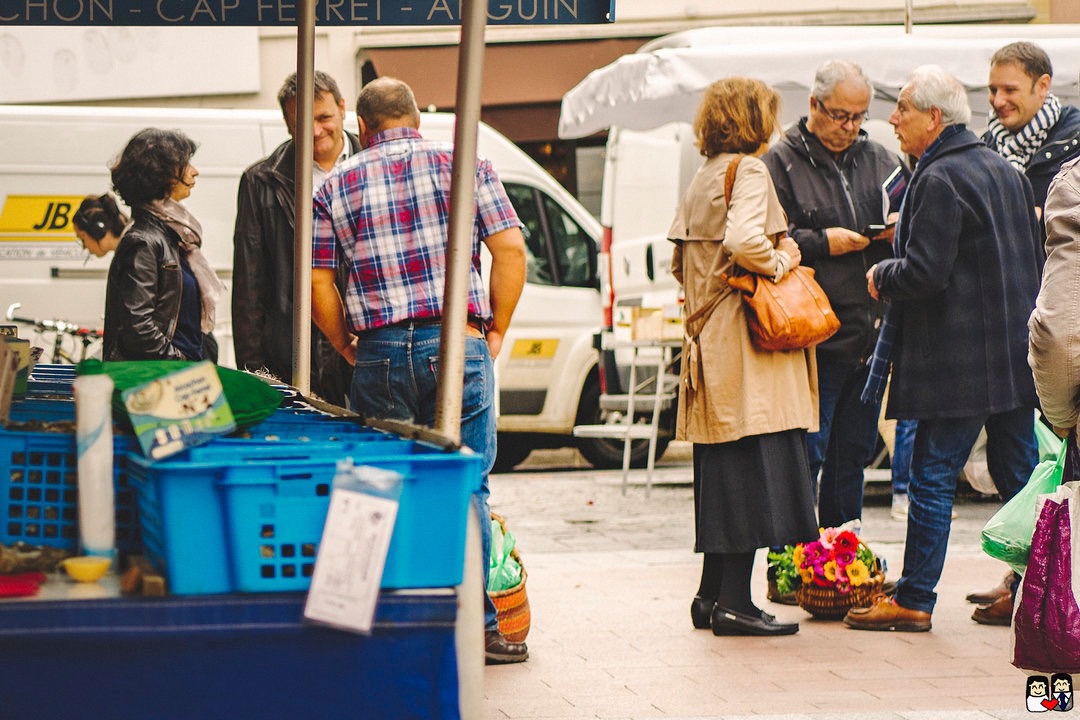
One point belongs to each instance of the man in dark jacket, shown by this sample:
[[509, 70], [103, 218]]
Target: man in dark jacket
[[828, 176], [962, 287], [1037, 134], [262, 296], [1030, 128]]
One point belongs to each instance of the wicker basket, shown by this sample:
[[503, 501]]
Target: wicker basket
[[828, 603], [512, 605]]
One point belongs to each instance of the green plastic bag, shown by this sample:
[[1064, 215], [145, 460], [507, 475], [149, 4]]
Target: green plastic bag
[[504, 571], [1049, 443], [1007, 535]]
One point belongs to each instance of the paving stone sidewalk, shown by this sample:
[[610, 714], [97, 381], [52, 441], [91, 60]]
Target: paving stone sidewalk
[[610, 582]]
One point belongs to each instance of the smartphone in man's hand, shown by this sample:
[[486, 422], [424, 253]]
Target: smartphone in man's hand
[[872, 231]]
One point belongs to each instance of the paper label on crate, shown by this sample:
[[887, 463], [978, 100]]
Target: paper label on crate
[[349, 566], [179, 410]]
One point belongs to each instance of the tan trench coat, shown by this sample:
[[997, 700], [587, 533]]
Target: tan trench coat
[[729, 389]]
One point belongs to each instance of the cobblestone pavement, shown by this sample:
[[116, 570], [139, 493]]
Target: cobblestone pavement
[[610, 578]]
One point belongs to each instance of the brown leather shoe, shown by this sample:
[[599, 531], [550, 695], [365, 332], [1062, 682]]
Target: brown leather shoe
[[988, 597], [500, 651], [885, 614], [998, 612]]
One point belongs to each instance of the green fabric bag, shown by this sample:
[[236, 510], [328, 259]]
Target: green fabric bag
[[1007, 535], [251, 398]]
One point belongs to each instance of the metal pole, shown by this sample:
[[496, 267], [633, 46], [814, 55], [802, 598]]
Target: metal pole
[[462, 216], [907, 16], [470, 622], [305, 104]]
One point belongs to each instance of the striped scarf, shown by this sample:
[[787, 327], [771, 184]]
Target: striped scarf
[[1019, 147]]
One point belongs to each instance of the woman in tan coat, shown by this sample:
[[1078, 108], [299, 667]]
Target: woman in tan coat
[[746, 411]]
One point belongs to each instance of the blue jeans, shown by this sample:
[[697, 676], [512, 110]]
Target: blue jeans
[[395, 378], [844, 442], [941, 448], [901, 457]]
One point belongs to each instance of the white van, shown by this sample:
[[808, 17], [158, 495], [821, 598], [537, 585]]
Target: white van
[[51, 157]]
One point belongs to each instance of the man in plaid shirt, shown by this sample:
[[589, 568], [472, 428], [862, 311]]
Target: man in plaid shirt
[[384, 213]]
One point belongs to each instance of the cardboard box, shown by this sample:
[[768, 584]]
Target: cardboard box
[[659, 324]]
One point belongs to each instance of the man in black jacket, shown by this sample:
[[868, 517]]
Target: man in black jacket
[[1030, 128], [828, 176], [262, 296]]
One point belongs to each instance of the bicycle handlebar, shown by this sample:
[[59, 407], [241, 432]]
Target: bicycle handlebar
[[61, 326]]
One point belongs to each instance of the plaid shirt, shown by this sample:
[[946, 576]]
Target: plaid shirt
[[385, 213]]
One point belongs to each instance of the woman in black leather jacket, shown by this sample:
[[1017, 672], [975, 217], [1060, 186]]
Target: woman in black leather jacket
[[162, 292]]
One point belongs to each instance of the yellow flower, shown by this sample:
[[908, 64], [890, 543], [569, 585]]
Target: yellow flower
[[858, 573], [798, 554], [807, 575], [830, 570]]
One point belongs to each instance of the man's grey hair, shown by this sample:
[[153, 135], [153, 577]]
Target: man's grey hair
[[833, 72], [930, 86], [384, 99]]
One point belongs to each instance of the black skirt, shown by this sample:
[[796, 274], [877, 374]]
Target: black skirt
[[751, 493]]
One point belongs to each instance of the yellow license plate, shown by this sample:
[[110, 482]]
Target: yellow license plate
[[534, 349]]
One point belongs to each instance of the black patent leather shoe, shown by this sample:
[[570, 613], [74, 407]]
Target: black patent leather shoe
[[730, 622], [701, 612]]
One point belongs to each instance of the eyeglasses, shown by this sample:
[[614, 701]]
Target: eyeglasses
[[840, 117]]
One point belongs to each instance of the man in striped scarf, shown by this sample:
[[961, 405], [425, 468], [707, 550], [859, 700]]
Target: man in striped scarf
[[1036, 134], [1030, 127]]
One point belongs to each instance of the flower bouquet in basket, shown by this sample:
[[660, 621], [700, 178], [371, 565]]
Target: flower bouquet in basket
[[830, 575]]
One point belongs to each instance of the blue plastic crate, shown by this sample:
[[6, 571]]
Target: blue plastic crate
[[306, 426], [275, 524], [39, 490], [53, 370], [41, 409], [50, 386], [245, 517]]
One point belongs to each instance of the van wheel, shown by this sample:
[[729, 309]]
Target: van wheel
[[513, 448], [607, 453]]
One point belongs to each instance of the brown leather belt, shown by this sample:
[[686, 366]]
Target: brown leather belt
[[473, 327]]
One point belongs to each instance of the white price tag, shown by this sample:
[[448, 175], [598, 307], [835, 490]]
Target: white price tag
[[349, 566]]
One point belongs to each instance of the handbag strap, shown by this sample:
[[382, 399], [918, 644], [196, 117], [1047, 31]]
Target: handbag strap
[[729, 178], [697, 319]]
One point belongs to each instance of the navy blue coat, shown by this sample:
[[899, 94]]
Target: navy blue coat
[[965, 285], [817, 192]]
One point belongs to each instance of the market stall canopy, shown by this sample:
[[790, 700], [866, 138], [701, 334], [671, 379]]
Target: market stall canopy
[[663, 81]]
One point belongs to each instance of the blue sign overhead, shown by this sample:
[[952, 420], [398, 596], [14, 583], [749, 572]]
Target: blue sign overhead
[[235, 13]]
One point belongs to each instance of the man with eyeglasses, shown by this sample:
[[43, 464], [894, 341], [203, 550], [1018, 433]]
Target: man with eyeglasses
[[828, 176], [1037, 135]]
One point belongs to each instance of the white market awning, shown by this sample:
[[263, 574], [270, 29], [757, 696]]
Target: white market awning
[[663, 81]]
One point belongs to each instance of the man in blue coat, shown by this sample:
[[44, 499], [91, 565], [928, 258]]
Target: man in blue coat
[[961, 289]]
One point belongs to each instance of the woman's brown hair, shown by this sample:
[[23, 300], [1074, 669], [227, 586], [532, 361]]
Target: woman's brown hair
[[737, 115]]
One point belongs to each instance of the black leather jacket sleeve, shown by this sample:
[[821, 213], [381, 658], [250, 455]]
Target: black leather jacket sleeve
[[248, 291], [143, 295]]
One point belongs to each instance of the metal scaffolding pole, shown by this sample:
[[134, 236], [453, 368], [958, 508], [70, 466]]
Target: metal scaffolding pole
[[305, 104]]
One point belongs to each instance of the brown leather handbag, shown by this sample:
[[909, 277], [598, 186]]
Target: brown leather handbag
[[792, 314]]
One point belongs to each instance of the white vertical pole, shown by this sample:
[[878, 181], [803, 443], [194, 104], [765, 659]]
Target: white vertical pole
[[469, 633]]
